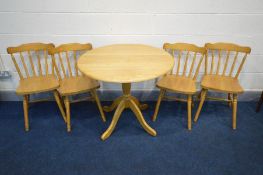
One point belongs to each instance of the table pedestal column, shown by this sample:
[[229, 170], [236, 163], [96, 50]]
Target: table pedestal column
[[126, 101]]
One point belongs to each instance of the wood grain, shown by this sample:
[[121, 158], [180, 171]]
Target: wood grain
[[125, 63]]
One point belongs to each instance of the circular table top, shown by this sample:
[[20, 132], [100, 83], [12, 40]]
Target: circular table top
[[125, 63]]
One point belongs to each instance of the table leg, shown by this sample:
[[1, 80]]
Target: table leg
[[135, 109], [114, 121], [142, 106], [126, 101], [117, 101], [114, 105]]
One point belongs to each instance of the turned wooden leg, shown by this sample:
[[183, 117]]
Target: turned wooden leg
[[94, 94], [203, 95], [260, 101], [161, 95], [230, 98], [189, 111], [58, 100], [114, 121], [138, 114], [25, 106], [67, 105], [234, 114]]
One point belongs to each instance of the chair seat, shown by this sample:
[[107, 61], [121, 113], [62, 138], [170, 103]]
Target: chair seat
[[221, 83], [178, 84], [75, 85], [39, 84]]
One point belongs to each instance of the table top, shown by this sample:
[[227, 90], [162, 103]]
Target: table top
[[125, 63]]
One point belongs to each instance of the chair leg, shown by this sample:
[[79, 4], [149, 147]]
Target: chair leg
[[189, 111], [95, 96], [25, 106], [58, 100], [162, 92], [67, 105], [203, 95], [260, 101], [234, 114]]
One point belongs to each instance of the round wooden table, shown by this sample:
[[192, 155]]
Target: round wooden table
[[125, 63]]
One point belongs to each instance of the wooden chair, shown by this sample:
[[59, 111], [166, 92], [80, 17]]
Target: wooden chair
[[71, 81], [36, 74], [189, 58], [222, 75]]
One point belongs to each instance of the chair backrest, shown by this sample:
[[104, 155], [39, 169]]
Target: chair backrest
[[220, 55], [65, 58], [188, 58], [32, 56]]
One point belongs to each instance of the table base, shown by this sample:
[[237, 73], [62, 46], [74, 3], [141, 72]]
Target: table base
[[117, 101], [126, 101]]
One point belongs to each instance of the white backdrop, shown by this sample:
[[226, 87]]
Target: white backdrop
[[153, 22]]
